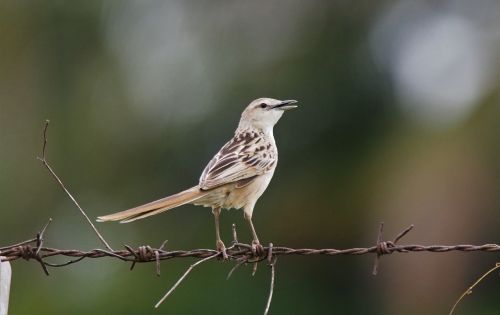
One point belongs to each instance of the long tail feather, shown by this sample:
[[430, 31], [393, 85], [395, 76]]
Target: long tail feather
[[155, 207]]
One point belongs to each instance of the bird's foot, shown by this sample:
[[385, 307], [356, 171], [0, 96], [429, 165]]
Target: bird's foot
[[222, 249], [257, 249]]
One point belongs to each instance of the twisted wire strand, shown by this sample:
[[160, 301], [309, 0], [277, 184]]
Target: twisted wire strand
[[236, 252]]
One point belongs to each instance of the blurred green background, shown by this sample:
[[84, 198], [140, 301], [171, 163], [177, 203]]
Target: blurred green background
[[398, 122]]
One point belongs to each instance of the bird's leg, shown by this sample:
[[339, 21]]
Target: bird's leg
[[218, 242], [257, 249]]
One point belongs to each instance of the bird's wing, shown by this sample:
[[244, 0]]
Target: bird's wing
[[246, 155]]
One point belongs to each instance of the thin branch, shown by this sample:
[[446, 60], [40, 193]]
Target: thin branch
[[269, 299], [199, 262], [54, 175], [272, 264], [230, 273], [469, 290]]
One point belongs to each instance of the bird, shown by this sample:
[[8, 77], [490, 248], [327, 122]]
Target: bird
[[235, 177]]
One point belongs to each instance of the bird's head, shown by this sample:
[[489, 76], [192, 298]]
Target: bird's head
[[264, 113]]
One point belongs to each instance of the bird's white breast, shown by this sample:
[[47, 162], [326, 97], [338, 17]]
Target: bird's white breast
[[247, 196], [229, 196]]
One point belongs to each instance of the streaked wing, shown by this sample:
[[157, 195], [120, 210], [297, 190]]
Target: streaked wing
[[246, 155]]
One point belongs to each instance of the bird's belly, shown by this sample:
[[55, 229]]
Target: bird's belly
[[225, 197], [229, 196], [241, 197], [236, 199], [216, 198]]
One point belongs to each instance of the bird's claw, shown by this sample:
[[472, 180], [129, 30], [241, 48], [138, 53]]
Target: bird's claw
[[222, 249], [257, 249]]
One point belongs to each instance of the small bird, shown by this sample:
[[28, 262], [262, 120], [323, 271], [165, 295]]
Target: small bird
[[235, 177]]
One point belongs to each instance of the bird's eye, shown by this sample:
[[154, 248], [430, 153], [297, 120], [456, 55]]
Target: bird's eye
[[263, 105]]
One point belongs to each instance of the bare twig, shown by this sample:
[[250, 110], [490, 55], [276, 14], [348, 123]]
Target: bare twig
[[234, 268], [272, 264], [469, 290], [271, 290], [199, 262], [54, 175]]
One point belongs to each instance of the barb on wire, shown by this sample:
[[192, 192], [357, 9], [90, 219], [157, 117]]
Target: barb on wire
[[235, 234], [39, 244], [39, 237], [146, 254], [61, 184], [383, 247], [157, 256]]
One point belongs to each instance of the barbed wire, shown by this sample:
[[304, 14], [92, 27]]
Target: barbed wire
[[238, 251], [241, 253]]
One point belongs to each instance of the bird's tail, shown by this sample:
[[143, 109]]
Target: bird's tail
[[155, 207]]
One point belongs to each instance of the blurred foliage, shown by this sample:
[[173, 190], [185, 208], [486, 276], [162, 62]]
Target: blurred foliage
[[141, 94]]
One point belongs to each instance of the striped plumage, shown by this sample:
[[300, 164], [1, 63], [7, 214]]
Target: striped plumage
[[249, 153], [235, 177]]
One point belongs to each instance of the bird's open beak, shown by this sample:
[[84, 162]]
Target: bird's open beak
[[286, 105]]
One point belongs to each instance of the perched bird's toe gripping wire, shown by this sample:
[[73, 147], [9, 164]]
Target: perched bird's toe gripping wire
[[222, 249], [257, 248]]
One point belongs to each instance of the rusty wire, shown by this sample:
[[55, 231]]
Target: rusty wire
[[241, 253], [33, 249]]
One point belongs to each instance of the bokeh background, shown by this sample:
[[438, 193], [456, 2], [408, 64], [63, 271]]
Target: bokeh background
[[399, 121]]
